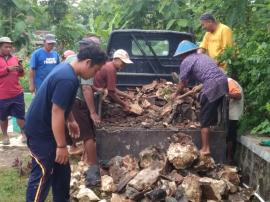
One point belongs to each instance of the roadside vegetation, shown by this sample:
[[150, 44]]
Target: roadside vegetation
[[71, 20]]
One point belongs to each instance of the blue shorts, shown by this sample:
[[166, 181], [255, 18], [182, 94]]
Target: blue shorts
[[12, 107]]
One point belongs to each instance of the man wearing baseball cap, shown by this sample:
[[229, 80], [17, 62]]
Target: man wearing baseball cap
[[11, 91], [106, 77], [42, 62]]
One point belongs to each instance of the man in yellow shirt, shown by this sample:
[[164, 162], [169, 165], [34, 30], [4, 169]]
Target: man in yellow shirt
[[217, 37]]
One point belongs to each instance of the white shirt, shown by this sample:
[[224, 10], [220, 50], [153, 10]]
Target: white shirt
[[236, 107]]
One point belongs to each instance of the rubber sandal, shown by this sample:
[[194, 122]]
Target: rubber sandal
[[6, 140], [265, 143]]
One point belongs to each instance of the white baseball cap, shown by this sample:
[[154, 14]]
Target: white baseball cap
[[5, 40], [122, 55]]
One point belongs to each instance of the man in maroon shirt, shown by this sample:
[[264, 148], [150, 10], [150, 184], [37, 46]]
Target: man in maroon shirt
[[11, 92], [106, 77]]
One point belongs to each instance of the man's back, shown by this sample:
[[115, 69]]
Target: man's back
[[59, 88], [106, 77], [203, 69], [236, 106]]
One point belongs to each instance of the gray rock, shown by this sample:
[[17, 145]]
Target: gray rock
[[145, 178]]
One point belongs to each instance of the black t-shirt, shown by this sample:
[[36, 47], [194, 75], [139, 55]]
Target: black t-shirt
[[60, 88]]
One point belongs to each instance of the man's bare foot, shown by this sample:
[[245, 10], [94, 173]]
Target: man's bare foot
[[75, 150], [205, 152]]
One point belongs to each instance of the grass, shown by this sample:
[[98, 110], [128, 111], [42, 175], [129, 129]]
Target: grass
[[13, 186], [27, 99]]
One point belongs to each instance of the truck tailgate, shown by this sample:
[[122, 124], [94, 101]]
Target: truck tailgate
[[121, 141]]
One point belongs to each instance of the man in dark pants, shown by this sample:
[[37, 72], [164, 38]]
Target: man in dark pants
[[11, 91], [45, 125], [202, 69]]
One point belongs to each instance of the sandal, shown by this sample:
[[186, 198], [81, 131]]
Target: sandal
[[265, 143], [6, 140]]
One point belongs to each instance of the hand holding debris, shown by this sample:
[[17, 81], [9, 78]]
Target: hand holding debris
[[74, 129], [104, 92], [197, 88]]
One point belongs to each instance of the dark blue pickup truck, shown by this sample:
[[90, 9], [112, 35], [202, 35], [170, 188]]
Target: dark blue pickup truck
[[152, 53]]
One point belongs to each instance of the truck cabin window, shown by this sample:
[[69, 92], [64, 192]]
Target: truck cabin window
[[150, 47]]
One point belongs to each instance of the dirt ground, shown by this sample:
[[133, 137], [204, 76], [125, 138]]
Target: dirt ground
[[9, 154], [16, 150]]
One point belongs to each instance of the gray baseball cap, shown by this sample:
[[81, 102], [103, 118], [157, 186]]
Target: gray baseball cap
[[50, 38]]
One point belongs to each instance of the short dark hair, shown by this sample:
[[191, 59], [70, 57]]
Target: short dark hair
[[208, 16], [94, 53]]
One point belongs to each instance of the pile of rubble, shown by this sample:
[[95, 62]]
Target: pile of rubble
[[152, 107], [178, 174]]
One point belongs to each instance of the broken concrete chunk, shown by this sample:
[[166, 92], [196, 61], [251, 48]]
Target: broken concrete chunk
[[170, 199], [176, 177], [92, 176], [166, 110], [119, 198], [169, 187], [145, 104], [130, 163], [133, 193], [120, 166], [73, 183], [107, 184], [205, 163], [182, 156], [150, 86], [150, 155], [146, 124], [156, 195], [145, 178], [136, 109], [180, 195], [76, 175], [212, 189], [229, 173], [231, 187], [125, 180], [87, 193], [243, 196], [192, 188], [153, 102]]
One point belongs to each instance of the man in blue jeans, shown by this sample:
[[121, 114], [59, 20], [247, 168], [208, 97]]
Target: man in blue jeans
[[45, 125]]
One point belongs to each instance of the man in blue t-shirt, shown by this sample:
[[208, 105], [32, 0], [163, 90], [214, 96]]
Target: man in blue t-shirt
[[45, 125], [42, 62]]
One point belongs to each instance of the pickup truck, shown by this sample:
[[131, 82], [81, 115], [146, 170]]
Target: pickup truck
[[152, 53]]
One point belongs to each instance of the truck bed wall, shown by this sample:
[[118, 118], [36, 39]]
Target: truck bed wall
[[113, 142]]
